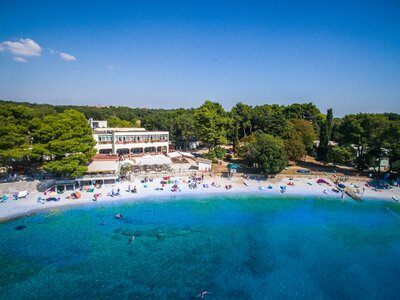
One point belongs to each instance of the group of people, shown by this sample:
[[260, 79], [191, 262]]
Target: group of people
[[113, 193], [134, 190]]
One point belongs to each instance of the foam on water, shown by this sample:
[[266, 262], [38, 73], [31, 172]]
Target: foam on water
[[242, 247]]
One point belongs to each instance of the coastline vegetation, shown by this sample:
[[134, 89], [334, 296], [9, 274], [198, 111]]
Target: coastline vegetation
[[58, 138]]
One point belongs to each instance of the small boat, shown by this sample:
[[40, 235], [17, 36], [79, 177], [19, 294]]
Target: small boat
[[395, 199]]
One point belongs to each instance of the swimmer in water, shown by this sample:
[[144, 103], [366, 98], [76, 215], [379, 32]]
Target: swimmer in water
[[103, 223], [203, 293], [131, 240], [118, 216]]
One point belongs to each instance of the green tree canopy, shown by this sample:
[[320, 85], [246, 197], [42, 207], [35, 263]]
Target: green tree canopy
[[211, 124], [243, 114], [306, 132], [265, 152], [270, 118], [14, 132], [67, 139]]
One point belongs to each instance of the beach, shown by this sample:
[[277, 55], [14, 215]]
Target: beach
[[154, 189]]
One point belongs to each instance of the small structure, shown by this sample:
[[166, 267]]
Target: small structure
[[232, 168], [100, 172], [203, 164]]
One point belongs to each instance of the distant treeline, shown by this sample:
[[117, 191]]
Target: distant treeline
[[265, 136]]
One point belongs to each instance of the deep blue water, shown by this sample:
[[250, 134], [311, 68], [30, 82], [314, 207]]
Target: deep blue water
[[242, 247]]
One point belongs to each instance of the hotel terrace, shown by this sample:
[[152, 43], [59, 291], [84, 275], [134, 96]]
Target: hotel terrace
[[128, 141]]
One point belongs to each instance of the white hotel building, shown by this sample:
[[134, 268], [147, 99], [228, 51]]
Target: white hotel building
[[128, 141]]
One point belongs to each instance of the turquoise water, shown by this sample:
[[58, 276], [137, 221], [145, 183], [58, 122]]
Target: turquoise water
[[242, 247]]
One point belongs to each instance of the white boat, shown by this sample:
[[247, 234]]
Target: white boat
[[395, 199]]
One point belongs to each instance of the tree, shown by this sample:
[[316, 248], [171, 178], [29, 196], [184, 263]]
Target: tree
[[265, 152], [242, 114], [323, 151], [306, 111], [294, 146], [343, 154], [184, 127], [67, 139], [351, 132], [216, 153], [393, 142], [14, 133], [270, 119], [114, 121], [211, 123], [236, 137], [306, 132]]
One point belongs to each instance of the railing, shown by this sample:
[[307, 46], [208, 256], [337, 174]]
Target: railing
[[140, 142]]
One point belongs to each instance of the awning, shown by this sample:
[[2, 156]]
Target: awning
[[180, 154], [153, 160], [102, 166], [232, 166]]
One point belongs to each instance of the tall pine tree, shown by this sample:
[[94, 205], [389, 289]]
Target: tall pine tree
[[323, 151]]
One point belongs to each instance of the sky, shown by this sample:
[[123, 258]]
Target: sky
[[170, 54]]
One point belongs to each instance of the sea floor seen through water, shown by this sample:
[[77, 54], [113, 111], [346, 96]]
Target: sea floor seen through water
[[235, 247]]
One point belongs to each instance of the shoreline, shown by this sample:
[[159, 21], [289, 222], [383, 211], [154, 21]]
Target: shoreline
[[25, 207]]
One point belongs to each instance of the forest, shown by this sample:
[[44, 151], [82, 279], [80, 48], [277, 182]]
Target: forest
[[58, 139]]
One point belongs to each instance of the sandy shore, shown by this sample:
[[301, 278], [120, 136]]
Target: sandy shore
[[302, 186]]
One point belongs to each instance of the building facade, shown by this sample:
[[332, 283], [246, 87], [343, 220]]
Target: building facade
[[128, 141]]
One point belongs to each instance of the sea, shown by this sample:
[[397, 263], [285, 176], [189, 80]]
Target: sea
[[232, 247]]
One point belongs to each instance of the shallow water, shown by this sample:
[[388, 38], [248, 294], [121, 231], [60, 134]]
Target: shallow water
[[243, 247]]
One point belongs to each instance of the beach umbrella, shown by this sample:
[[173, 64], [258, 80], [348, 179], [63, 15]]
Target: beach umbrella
[[232, 166]]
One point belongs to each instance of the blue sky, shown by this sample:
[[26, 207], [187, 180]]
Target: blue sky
[[344, 55]]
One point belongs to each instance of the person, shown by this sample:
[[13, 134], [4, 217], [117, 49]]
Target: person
[[134, 189], [118, 216], [129, 188], [103, 223], [203, 293], [95, 198]]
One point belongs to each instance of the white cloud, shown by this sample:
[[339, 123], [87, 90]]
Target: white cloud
[[19, 59], [67, 57], [22, 47]]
